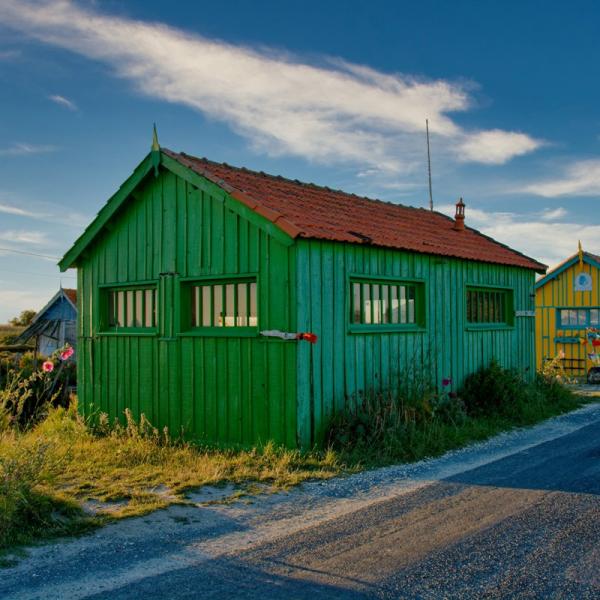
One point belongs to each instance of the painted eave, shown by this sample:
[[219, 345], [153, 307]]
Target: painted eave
[[564, 266], [165, 158]]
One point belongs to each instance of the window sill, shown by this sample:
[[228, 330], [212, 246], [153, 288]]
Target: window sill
[[229, 332], [489, 327], [354, 329], [128, 332]]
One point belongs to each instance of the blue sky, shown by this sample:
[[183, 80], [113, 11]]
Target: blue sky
[[336, 93]]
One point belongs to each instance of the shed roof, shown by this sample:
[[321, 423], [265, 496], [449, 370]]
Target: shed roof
[[306, 210], [327, 214], [44, 323]]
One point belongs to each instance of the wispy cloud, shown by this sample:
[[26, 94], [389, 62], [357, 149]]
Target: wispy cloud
[[548, 241], [553, 214], [46, 212], [14, 210], [331, 112], [38, 238], [22, 149], [580, 178], [9, 54], [62, 101]]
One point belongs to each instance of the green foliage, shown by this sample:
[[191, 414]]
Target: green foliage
[[387, 425], [24, 319], [27, 390], [493, 390], [26, 510], [384, 428]]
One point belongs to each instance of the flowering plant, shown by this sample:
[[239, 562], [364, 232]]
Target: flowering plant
[[23, 396]]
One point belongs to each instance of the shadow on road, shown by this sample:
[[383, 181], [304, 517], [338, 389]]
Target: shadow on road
[[567, 464]]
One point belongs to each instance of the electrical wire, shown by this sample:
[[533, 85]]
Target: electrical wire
[[29, 253], [37, 274]]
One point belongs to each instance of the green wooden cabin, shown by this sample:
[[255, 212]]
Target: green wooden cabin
[[192, 268]]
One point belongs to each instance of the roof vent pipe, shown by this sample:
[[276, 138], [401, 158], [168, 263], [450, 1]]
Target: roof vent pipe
[[459, 217]]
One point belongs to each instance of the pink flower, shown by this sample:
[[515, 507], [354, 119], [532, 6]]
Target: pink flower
[[446, 382], [48, 366], [67, 353]]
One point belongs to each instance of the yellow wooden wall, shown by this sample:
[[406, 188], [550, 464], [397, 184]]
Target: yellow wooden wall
[[559, 293]]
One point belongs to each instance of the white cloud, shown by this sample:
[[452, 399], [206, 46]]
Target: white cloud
[[62, 101], [580, 178], [496, 146], [548, 242], [335, 112], [22, 149], [13, 210], [553, 214]]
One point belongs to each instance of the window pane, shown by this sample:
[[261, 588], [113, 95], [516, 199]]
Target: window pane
[[564, 317], [149, 319], [138, 311], [385, 296], [376, 304], [367, 306], [356, 302], [242, 305], [253, 320], [129, 308], [206, 306], [112, 309], [410, 291], [582, 317], [195, 305], [402, 304], [229, 310], [394, 304], [594, 316], [120, 309], [218, 306]]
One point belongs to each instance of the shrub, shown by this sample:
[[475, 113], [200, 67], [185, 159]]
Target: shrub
[[387, 422], [25, 471], [493, 390]]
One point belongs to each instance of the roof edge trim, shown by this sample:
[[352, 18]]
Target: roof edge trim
[[567, 264]]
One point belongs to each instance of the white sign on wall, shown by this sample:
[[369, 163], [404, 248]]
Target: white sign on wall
[[583, 282]]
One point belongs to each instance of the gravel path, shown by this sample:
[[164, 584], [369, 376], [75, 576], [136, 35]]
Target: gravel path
[[517, 516]]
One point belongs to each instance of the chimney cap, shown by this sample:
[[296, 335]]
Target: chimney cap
[[459, 217]]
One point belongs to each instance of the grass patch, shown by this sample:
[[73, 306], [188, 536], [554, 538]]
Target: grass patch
[[50, 472]]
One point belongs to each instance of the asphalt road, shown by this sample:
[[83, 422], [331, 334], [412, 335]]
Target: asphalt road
[[526, 525]]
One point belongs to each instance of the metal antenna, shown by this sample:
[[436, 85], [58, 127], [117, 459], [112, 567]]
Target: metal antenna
[[429, 165]]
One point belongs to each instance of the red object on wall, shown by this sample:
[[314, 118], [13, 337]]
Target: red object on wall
[[309, 337], [595, 342]]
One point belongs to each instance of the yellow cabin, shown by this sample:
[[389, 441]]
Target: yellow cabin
[[567, 314]]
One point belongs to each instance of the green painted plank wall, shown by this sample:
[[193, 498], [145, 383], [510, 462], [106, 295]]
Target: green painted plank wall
[[219, 389], [344, 365]]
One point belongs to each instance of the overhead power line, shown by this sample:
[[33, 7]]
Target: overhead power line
[[58, 276], [29, 253]]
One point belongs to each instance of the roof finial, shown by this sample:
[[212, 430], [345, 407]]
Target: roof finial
[[155, 153], [580, 252], [155, 144]]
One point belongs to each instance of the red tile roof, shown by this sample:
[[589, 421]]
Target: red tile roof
[[310, 211], [71, 295]]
